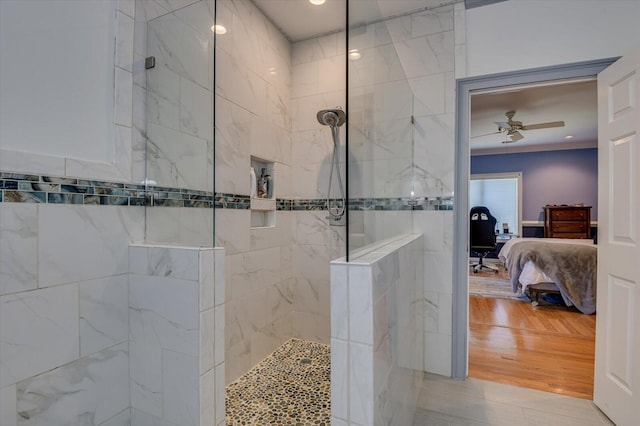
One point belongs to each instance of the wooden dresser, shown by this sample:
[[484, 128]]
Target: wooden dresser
[[567, 222]]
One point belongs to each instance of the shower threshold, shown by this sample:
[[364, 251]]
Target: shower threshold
[[289, 387]]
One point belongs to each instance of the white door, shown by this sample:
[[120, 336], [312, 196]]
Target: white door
[[617, 371]]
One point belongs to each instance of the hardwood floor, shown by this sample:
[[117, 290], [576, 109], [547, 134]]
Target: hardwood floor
[[544, 348]]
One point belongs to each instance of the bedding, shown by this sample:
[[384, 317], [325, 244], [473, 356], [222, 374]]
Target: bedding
[[569, 264]]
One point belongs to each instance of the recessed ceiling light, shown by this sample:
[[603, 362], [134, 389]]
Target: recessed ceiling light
[[569, 137], [218, 29], [354, 54], [317, 2]]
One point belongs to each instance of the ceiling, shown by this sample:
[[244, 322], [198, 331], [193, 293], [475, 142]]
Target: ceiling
[[300, 20], [574, 102]]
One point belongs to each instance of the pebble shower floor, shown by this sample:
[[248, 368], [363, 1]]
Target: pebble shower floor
[[292, 386]]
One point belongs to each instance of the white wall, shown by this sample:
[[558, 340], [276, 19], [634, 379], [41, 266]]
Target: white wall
[[522, 34], [66, 82]]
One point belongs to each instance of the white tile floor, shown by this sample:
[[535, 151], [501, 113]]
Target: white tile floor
[[473, 402]]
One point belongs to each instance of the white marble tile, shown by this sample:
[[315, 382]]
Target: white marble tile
[[180, 388], [239, 84], [460, 60], [145, 366], [164, 312], [233, 127], [127, 7], [305, 295], [140, 418], [278, 107], [8, 406], [162, 225], [104, 313], [123, 97], [68, 395], [220, 275], [163, 97], [304, 79], [431, 314], [361, 397], [429, 94], [121, 419], [196, 110], [179, 263], [427, 55], [360, 305], [206, 278], [199, 16], [80, 243], [431, 225], [124, 41], [315, 49], [207, 338], [459, 22], [207, 404], [220, 394], [176, 159], [233, 230], [438, 272], [432, 21], [27, 162], [138, 259], [179, 47], [445, 319], [339, 302], [196, 225], [339, 379], [437, 353], [218, 334], [18, 247], [38, 331], [311, 261]]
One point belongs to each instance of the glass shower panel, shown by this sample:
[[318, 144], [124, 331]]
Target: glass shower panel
[[179, 110], [381, 183]]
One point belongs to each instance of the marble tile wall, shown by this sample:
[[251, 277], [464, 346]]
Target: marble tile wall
[[376, 336], [63, 312], [402, 107], [176, 327], [318, 82], [253, 119]]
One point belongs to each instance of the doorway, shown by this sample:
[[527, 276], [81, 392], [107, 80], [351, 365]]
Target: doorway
[[465, 88]]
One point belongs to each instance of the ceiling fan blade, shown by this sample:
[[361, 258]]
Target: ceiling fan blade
[[486, 134], [503, 124], [543, 125], [516, 136]]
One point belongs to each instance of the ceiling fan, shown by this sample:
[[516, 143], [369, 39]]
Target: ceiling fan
[[512, 128]]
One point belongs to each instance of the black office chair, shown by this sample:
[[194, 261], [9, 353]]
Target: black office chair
[[482, 236]]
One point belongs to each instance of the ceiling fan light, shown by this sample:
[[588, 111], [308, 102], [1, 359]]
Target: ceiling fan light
[[317, 2]]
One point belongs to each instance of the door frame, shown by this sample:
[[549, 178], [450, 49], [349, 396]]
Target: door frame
[[464, 88]]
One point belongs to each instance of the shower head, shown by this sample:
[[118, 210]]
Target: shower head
[[332, 117]]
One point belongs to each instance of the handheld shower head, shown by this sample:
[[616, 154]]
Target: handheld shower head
[[332, 117]]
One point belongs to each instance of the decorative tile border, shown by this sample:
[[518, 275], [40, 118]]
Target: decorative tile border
[[26, 188]]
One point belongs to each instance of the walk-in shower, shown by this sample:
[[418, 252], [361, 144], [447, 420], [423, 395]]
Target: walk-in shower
[[334, 118]]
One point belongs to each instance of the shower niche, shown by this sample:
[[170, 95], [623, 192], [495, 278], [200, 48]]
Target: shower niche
[[263, 198]]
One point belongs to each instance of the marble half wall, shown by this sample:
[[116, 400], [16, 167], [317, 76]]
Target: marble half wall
[[176, 329], [377, 351]]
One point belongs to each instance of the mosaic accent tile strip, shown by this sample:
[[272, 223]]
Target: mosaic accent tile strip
[[289, 387], [26, 188]]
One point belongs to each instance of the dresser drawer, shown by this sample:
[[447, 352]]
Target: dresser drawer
[[569, 215], [568, 226]]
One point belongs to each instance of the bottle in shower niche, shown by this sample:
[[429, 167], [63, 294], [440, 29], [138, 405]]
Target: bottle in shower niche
[[269, 186], [254, 183], [262, 184]]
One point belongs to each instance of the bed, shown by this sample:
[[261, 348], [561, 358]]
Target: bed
[[565, 265]]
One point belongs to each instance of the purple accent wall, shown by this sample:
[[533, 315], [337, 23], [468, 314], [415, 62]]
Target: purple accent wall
[[549, 177]]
